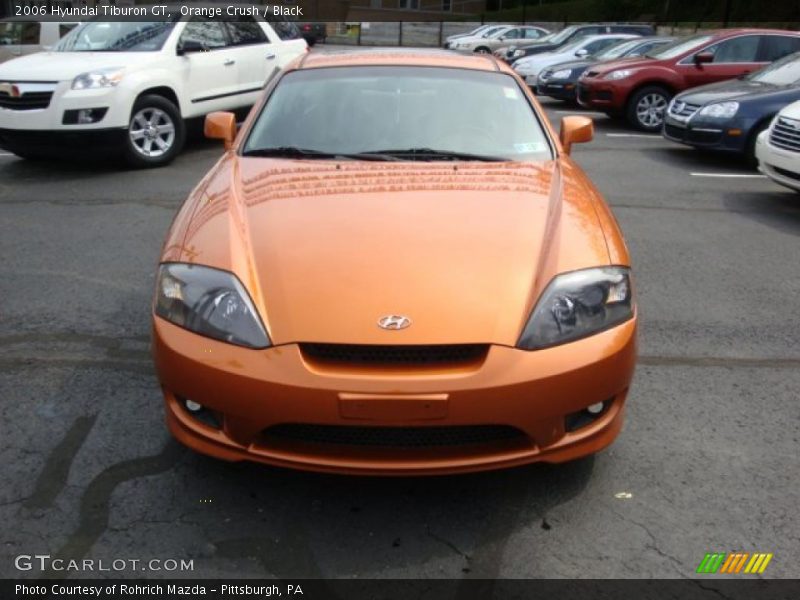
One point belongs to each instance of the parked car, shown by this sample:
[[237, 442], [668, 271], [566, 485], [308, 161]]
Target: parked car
[[477, 32], [640, 90], [728, 116], [313, 32], [127, 87], [529, 68], [778, 148], [493, 39], [571, 34], [321, 297], [18, 37], [561, 81]]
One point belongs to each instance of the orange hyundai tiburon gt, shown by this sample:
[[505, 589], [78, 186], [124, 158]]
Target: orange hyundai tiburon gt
[[395, 268]]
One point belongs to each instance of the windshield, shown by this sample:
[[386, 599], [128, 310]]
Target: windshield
[[116, 36], [572, 46], [679, 47], [562, 35], [781, 72], [375, 110], [617, 50]]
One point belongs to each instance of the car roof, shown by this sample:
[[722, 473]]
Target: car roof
[[740, 31], [403, 57]]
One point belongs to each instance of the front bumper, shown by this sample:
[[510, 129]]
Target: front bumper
[[563, 89], [780, 165], [708, 135], [602, 95], [253, 390]]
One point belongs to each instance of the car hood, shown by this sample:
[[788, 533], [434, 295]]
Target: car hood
[[728, 90], [326, 250], [64, 66], [634, 62]]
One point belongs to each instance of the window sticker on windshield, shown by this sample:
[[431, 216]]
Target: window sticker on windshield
[[529, 147], [510, 93]]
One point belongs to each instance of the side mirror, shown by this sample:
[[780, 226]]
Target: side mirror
[[581, 53], [221, 126], [502, 38], [575, 130], [189, 47], [703, 58]]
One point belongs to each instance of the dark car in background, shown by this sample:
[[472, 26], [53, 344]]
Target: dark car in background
[[313, 32], [571, 34], [561, 81], [728, 116], [640, 89]]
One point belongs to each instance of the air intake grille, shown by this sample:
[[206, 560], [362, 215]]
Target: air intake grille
[[393, 437], [395, 355], [26, 101], [683, 110], [786, 134]]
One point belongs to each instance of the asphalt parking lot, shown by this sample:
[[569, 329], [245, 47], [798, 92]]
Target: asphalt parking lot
[[707, 460]]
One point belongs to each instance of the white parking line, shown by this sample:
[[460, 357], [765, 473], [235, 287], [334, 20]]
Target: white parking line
[[634, 135], [731, 175], [6, 154]]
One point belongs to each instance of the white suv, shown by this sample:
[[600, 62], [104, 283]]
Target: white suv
[[778, 148], [127, 87]]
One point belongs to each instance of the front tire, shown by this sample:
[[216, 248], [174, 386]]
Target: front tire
[[482, 50], [156, 133], [647, 107]]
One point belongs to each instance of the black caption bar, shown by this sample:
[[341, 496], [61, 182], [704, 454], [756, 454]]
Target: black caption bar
[[400, 589]]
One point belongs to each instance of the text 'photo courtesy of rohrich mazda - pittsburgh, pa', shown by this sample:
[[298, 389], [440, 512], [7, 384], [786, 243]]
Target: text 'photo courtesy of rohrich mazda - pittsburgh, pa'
[[479, 291]]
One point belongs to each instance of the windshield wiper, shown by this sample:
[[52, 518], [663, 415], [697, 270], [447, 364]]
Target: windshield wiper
[[433, 154], [296, 152]]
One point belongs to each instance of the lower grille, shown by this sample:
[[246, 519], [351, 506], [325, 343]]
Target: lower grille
[[393, 437], [674, 132], [786, 134], [395, 355], [786, 173], [26, 101]]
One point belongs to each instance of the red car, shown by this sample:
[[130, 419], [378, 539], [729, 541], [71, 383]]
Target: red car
[[641, 88]]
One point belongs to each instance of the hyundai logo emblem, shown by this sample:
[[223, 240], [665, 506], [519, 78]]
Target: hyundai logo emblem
[[394, 322]]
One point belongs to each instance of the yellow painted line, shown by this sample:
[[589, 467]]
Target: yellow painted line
[[765, 563], [753, 562]]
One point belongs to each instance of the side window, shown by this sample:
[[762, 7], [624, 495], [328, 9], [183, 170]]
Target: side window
[[209, 34], [737, 50], [511, 34], [30, 33], [643, 49], [65, 28], [598, 45], [245, 32], [531, 34], [774, 47]]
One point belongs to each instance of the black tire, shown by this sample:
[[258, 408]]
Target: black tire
[[482, 50], [646, 108], [162, 113], [750, 148]]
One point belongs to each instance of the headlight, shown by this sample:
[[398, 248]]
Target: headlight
[[562, 74], [98, 79], [209, 302], [721, 110], [579, 304], [620, 74], [518, 53]]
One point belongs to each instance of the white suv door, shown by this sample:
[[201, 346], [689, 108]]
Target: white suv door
[[209, 65], [255, 56]]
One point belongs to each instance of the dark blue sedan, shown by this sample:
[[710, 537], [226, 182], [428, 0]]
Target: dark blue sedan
[[728, 116]]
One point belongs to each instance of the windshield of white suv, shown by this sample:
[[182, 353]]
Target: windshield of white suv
[[116, 36], [399, 113]]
